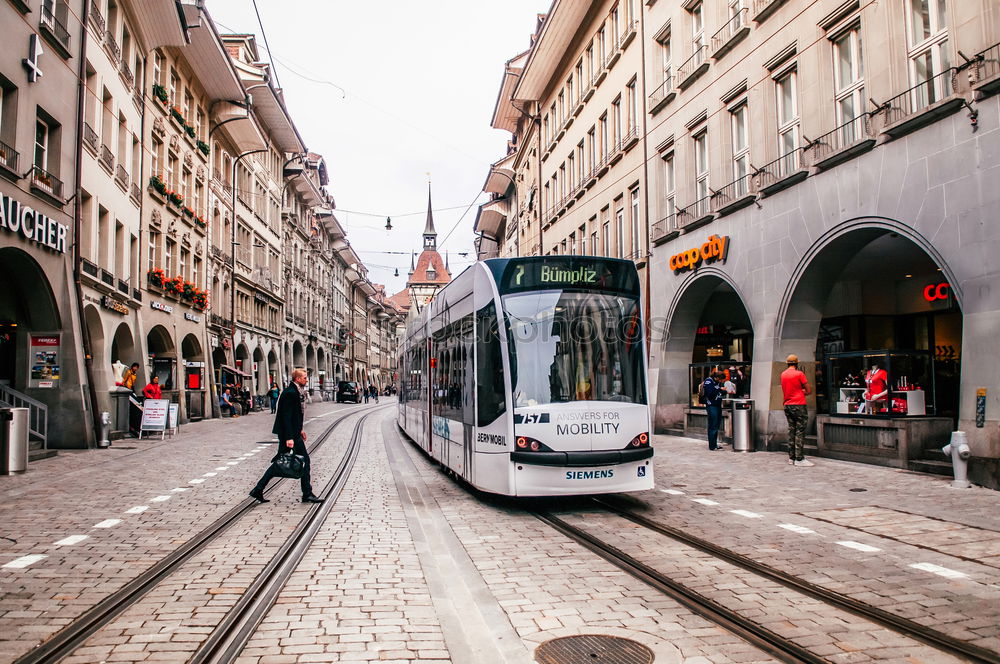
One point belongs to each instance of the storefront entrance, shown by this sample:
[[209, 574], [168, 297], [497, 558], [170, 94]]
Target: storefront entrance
[[887, 344]]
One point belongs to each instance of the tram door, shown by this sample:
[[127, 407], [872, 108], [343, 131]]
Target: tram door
[[451, 395]]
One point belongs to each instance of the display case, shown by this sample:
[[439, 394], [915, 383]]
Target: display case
[[881, 383]]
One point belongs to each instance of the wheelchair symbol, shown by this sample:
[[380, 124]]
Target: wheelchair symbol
[[642, 471]]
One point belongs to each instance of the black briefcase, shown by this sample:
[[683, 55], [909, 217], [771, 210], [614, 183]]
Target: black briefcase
[[289, 465]]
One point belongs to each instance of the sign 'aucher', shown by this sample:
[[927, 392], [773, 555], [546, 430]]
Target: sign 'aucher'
[[715, 249], [16, 217]]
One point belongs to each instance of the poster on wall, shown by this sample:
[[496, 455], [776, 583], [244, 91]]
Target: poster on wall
[[43, 356]]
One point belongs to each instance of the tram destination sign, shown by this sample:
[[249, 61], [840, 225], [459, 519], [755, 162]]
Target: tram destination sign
[[585, 273]]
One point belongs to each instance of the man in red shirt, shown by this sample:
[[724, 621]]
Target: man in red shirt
[[794, 388]]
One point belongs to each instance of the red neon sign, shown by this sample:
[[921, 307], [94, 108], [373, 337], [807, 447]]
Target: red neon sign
[[934, 292]]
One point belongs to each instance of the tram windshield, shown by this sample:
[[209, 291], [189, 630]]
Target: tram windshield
[[574, 346]]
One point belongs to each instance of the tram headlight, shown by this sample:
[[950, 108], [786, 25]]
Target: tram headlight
[[525, 444], [642, 440]]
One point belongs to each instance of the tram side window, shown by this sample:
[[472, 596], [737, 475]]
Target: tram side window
[[489, 367], [451, 348]]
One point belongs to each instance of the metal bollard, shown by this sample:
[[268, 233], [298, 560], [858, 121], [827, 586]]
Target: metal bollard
[[958, 450], [103, 440]]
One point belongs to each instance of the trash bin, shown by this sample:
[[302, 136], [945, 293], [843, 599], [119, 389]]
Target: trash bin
[[13, 440], [742, 423]]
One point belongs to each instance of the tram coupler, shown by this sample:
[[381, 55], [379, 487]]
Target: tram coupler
[[958, 450]]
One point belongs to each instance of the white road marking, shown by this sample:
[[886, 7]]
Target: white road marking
[[107, 523], [197, 481], [705, 501], [232, 463], [221, 468], [24, 561], [673, 492], [72, 539], [160, 499], [138, 509], [940, 571], [802, 530], [748, 514], [210, 474], [178, 489], [858, 546]]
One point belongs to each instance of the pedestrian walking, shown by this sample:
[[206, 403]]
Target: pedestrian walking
[[712, 394], [794, 388], [288, 423], [273, 395], [365, 393]]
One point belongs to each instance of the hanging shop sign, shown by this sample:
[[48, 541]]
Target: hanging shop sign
[[166, 308], [213, 340], [17, 218], [114, 305], [44, 355], [935, 292], [713, 250]]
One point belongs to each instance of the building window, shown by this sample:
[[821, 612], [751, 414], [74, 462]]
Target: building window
[[741, 150], [666, 59], [616, 127], [583, 240], [615, 25], [569, 93], [697, 28], [185, 254], [701, 172], [168, 257], [636, 225], [581, 82], [591, 150], [669, 187], [848, 72], [605, 232], [157, 68], [591, 67], [928, 50], [633, 108], [41, 144], [154, 237], [562, 107], [788, 120], [603, 123], [619, 229]]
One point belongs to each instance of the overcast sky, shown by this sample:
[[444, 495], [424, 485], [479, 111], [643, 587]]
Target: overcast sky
[[419, 81]]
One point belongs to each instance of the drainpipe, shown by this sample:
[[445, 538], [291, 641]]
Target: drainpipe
[[88, 358]]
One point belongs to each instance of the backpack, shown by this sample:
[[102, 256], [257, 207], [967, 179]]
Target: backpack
[[701, 393]]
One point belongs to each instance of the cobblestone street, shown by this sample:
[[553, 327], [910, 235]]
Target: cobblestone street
[[410, 565]]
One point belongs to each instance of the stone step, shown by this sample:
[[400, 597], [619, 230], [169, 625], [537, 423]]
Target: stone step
[[931, 466]]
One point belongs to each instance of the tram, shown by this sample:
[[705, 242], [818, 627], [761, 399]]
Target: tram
[[527, 377]]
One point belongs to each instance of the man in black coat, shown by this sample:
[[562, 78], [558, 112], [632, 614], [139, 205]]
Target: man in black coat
[[288, 425]]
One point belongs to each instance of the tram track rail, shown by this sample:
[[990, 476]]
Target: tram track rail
[[767, 640], [887, 619], [75, 634]]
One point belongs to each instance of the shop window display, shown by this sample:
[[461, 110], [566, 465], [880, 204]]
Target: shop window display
[[737, 374], [881, 383]]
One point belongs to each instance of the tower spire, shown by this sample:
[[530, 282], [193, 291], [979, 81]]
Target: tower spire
[[430, 235]]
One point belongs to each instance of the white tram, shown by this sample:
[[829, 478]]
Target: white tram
[[527, 377]]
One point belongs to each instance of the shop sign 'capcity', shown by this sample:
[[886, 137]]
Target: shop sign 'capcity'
[[715, 249], [15, 217]]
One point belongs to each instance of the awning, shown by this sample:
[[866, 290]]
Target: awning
[[234, 370]]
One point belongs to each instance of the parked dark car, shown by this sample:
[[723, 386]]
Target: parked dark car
[[347, 390]]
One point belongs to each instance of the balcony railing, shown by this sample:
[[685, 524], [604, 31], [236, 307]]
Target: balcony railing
[[779, 171], [8, 157], [121, 176], [693, 67], [855, 133], [734, 195], [111, 46], [97, 19], [764, 8], [986, 65], [663, 227], [662, 95], [90, 138], [726, 37], [107, 158], [46, 182], [54, 24], [919, 97], [135, 192], [126, 73]]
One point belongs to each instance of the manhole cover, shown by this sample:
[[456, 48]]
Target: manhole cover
[[593, 648]]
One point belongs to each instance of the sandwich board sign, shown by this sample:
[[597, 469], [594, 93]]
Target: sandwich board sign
[[154, 416], [172, 418]]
